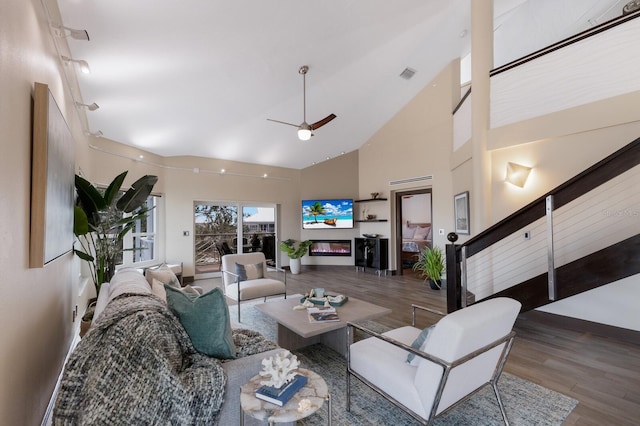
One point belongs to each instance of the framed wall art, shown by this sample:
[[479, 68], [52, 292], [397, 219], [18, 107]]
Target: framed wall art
[[461, 210], [52, 181]]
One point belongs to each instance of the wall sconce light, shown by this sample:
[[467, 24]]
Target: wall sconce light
[[76, 34], [83, 65], [91, 107], [517, 174]]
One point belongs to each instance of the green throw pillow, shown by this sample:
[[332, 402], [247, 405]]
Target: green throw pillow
[[419, 344], [206, 320], [249, 272]]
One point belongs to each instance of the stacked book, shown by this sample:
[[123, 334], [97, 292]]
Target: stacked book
[[322, 314], [281, 395]]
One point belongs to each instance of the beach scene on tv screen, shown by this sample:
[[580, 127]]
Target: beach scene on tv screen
[[327, 214]]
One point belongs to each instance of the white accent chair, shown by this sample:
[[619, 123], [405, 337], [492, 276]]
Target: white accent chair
[[251, 288], [463, 352]]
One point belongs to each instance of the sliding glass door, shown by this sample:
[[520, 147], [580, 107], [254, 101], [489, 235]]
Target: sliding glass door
[[223, 228]]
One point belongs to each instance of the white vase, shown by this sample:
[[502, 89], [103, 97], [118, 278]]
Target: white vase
[[294, 264]]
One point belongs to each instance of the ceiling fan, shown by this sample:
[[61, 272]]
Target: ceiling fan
[[305, 129]]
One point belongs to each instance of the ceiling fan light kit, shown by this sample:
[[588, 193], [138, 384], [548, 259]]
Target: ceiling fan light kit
[[305, 129], [304, 132]]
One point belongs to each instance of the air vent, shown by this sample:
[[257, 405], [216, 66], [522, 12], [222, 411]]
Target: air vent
[[410, 180], [407, 73]]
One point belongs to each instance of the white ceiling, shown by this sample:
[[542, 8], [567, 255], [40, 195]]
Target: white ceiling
[[198, 77]]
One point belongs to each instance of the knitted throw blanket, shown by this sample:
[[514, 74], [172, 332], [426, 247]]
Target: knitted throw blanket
[[137, 366]]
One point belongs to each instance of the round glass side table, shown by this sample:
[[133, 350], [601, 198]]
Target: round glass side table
[[315, 392]]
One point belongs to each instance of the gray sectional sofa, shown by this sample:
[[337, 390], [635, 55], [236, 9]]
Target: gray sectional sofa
[[137, 365]]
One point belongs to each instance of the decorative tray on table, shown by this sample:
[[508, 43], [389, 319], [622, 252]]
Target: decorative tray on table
[[334, 300]]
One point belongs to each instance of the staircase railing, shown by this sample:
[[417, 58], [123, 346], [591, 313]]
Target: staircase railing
[[580, 235]]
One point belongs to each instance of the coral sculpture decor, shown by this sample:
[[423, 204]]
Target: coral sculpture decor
[[280, 368]]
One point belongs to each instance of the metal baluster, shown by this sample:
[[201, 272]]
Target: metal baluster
[[553, 291], [463, 276]]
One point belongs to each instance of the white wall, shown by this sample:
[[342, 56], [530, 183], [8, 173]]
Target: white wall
[[36, 305]]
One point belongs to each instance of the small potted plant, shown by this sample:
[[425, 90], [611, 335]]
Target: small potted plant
[[289, 246], [430, 265]]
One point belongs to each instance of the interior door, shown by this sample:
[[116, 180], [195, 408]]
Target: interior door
[[414, 227]]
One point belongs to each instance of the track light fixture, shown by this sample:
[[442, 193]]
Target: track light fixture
[[70, 32], [91, 107], [96, 134], [83, 65]]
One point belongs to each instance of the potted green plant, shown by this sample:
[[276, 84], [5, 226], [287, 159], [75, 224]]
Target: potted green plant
[[430, 265], [289, 246], [103, 218]]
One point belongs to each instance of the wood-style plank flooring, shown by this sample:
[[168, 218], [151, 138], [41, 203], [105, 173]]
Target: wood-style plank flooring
[[602, 373]]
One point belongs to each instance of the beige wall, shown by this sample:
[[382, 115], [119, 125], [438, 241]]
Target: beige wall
[[35, 304], [554, 161], [413, 143], [183, 180]]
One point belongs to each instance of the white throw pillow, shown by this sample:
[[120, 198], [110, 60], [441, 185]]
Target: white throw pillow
[[421, 233], [164, 274], [408, 232], [128, 280], [157, 288]]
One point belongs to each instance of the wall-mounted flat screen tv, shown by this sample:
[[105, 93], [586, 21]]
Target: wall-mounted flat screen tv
[[327, 214]]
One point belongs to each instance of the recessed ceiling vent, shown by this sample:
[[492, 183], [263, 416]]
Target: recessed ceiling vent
[[407, 73], [411, 180]]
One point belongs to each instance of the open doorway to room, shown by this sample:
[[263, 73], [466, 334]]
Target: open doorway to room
[[231, 227], [413, 227]]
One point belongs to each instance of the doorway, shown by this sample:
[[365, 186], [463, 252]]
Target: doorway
[[414, 230]]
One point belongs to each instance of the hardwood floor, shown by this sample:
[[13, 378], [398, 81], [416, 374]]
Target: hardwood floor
[[601, 372]]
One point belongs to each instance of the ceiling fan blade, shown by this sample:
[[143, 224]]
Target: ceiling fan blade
[[283, 122], [322, 122]]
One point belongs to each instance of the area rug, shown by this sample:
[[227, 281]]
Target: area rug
[[526, 403]]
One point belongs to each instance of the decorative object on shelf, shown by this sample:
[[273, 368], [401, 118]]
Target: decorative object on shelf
[[371, 235], [371, 216], [289, 246], [103, 218], [461, 210], [374, 195], [430, 265], [280, 369]]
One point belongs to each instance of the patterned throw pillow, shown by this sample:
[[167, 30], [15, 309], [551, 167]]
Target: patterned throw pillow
[[250, 272], [205, 319]]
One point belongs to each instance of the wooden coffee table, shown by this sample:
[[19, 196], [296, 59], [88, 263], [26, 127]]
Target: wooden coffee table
[[295, 331]]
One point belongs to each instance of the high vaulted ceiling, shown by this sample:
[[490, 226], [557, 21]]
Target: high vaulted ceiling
[[196, 77]]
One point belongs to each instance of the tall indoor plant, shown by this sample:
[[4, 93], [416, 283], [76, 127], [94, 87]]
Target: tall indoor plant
[[430, 265], [289, 246], [100, 223]]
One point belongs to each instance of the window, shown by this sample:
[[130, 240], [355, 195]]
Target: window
[[140, 244]]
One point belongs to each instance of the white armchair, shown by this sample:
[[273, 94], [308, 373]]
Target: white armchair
[[463, 352], [245, 277]]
